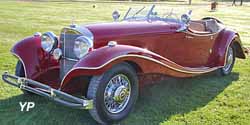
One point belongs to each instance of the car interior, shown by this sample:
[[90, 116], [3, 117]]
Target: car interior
[[210, 26]]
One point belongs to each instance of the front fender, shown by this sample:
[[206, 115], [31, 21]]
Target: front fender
[[102, 59], [34, 59]]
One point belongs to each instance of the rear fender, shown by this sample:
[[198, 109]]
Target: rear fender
[[34, 59], [224, 40], [239, 48]]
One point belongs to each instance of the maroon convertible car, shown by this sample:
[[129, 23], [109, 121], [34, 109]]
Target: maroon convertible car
[[103, 61]]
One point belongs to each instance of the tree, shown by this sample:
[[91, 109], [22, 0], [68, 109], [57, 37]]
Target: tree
[[234, 2]]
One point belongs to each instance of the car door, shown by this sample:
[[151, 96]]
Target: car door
[[198, 48], [186, 49]]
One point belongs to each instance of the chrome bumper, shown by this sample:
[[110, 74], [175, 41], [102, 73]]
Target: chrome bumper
[[48, 92]]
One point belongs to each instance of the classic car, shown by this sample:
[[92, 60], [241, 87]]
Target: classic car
[[103, 61]]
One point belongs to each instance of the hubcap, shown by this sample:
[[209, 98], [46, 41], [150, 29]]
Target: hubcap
[[229, 60], [117, 93], [120, 94]]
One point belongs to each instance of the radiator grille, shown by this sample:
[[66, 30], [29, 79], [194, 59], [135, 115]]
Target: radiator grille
[[67, 45]]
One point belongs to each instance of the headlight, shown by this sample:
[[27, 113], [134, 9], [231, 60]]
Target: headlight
[[82, 46], [57, 53], [49, 41]]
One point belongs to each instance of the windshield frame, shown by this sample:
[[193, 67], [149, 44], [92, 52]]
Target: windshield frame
[[137, 12], [149, 16]]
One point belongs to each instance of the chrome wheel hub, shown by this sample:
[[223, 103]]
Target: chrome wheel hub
[[120, 94], [117, 93]]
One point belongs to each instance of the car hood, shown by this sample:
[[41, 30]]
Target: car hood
[[118, 30]]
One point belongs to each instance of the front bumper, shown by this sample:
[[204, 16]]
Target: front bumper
[[48, 92]]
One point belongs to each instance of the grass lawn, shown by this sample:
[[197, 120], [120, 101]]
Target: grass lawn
[[207, 99]]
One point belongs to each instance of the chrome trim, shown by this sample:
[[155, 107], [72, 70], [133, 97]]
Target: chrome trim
[[112, 43], [70, 59], [48, 92], [228, 59], [89, 41], [72, 25], [225, 55], [117, 93], [50, 34], [57, 53], [194, 71], [80, 30], [127, 13], [116, 15], [19, 58], [53, 37], [150, 11], [83, 39], [64, 32], [52, 93], [76, 30]]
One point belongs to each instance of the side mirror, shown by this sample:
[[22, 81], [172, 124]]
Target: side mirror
[[116, 15], [185, 18]]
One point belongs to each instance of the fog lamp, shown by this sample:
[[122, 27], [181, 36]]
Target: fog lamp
[[57, 53]]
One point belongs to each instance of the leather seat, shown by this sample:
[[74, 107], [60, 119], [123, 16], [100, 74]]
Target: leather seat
[[204, 26], [197, 27], [212, 26]]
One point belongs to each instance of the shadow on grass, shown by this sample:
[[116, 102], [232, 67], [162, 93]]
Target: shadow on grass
[[157, 103], [175, 96]]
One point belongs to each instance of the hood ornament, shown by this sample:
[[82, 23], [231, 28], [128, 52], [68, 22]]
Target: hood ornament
[[72, 23]]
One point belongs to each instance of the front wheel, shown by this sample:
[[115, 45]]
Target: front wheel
[[230, 59], [114, 94]]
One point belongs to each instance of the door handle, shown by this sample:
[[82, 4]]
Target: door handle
[[189, 37]]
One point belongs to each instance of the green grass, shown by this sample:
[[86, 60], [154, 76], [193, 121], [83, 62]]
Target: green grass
[[207, 99]]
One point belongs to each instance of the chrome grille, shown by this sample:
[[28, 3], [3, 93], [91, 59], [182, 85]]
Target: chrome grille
[[67, 45]]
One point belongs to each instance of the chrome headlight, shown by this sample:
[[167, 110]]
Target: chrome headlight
[[82, 46], [49, 41], [57, 53]]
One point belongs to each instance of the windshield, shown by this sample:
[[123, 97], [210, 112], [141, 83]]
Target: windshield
[[150, 14]]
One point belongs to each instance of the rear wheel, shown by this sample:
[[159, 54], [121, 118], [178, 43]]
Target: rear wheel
[[114, 94], [20, 72], [230, 59]]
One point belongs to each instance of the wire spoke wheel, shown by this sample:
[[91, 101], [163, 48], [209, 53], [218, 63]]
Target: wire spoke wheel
[[229, 59], [114, 93], [117, 93]]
